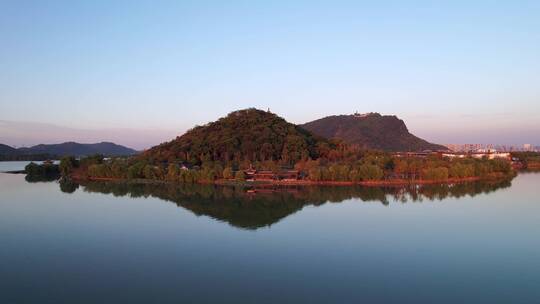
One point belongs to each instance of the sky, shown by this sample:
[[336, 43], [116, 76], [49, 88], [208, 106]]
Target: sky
[[143, 72]]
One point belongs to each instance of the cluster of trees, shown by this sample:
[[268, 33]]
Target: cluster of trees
[[68, 164], [378, 166], [344, 172], [133, 168], [45, 170], [365, 166], [530, 160]]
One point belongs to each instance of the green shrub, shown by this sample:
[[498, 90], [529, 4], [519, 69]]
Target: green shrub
[[435, 174]]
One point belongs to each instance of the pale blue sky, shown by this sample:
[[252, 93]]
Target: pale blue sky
[[455, 71]]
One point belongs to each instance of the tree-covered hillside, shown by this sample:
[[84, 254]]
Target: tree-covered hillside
[[249, 134], [230, 148]]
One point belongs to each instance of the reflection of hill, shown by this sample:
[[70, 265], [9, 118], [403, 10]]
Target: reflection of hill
[[239, 208]]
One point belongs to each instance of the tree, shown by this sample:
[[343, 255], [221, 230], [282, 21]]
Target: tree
[[435, 174], [354, 176], [389, 165], [207, 174], [173, 171], [315, 174], [95, 159], [149, 172], [370, 172], [240, 176], [228, 173], [401, 167], [459, 170], [267, 151], [67, 163], [218, 171], [481, 169], [136, 170], [98, 170], [118, 168]]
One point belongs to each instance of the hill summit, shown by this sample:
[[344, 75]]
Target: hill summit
[[249, 134], [372, 131]]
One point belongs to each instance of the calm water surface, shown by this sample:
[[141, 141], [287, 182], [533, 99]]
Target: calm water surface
[[115, 243], [17, 165]]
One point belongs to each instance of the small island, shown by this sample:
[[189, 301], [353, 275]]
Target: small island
[[258, 147]]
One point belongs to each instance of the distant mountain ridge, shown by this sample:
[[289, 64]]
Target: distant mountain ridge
[[69, 148], [7, 150], [372, 131]]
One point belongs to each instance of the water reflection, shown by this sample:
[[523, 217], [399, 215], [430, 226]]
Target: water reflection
[[41, 178], [253, 208]]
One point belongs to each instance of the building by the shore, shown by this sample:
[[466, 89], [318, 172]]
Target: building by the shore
[[489, 154]]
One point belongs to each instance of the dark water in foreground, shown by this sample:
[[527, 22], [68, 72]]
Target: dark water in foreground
[[102, 242]]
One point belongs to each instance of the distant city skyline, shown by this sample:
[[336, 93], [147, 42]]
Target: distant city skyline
[[142, 72], [492, 148]]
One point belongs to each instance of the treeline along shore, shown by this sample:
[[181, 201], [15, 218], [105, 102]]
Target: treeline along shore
[[254, 146], [373, 168]]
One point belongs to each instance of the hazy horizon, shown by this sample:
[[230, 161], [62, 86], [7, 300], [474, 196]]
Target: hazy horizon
[[139, 73], [26, 134]]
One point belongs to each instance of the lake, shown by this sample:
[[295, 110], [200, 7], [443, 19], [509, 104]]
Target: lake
[[17, 165], [120, 243]]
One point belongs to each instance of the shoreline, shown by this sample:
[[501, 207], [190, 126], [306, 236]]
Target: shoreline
[[14, 172], [222, 182]]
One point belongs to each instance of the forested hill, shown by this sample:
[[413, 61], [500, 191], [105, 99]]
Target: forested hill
[[7, 150], [249, 134], [78, 149], [372, 131]]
